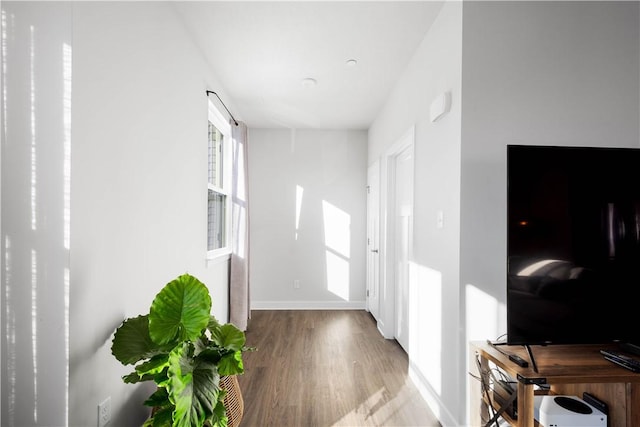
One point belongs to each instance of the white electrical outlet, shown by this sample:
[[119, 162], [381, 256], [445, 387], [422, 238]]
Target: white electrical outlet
[[296, 284], [104, 412]]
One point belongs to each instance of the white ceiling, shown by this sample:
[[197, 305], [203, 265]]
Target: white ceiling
[[261, 51]]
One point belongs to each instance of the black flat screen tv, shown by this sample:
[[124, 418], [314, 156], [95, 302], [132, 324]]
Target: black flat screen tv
[[573, 245]]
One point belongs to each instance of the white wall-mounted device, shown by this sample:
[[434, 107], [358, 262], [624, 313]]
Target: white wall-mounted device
[[440, 106]]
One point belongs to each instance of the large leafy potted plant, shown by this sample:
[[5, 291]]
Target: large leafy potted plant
[[181, 347]]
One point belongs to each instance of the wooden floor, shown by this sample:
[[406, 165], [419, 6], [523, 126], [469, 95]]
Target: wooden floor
[[326, 368]]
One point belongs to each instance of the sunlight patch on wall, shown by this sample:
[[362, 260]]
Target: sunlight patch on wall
[[10, 331], [485, 315], [337, 275], [337, 239], [299, 195], [36, 91], [425, 323], [4, 72], [34, 219], [33, 128], [337, 229], [67, 288], [9, 343], [66, 105], [34, 330]]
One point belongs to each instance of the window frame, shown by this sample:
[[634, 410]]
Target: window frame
[[224, 127]]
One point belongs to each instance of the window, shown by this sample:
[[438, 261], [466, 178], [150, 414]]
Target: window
[[218, 185]]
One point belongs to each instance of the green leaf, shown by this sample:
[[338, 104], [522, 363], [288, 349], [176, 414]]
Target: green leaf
[[211, 355], [180, 311], [163, 418], [202, 344], [213, 323], [134, 378], [229, 337], [219, 416], [162, 378], [159, 399], [131, 341], [193, 388], [131, 378], [154, 366], [231, 364]]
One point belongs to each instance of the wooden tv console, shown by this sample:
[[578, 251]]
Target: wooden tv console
[[566, 369]]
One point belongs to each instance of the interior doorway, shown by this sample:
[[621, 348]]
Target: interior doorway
[[396, 238], [373, 240]]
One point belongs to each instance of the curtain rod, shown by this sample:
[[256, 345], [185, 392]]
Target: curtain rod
[[225, 107]]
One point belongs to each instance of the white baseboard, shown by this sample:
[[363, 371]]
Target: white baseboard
[[431, 397], [308, 305]]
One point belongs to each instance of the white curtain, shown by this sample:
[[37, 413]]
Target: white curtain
[[239, 309]]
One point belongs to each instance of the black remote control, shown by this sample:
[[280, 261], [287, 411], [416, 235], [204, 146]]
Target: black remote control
[[518, 360], [621, 360]]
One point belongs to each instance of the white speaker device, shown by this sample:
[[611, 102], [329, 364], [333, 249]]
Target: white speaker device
[[567, 411]]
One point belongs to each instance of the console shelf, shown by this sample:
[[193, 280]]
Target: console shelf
[[565, 369]]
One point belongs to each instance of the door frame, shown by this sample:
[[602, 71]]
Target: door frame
[[387, 318], [403, 229]]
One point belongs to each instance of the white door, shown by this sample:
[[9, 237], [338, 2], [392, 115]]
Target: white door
[[373, 236], [403, 223]]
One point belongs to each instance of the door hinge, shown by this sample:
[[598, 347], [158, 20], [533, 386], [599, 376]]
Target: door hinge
[[367, 292]]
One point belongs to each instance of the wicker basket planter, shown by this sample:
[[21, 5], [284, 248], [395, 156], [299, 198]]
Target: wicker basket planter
[[233, 403]]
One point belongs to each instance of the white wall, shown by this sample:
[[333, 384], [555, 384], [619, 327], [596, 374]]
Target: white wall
[[434, 346], [548, 73], [35, 258], [139, 176], [126, 122], [307, 218]]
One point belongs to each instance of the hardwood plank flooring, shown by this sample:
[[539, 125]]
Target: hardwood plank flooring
[[326, 368]]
